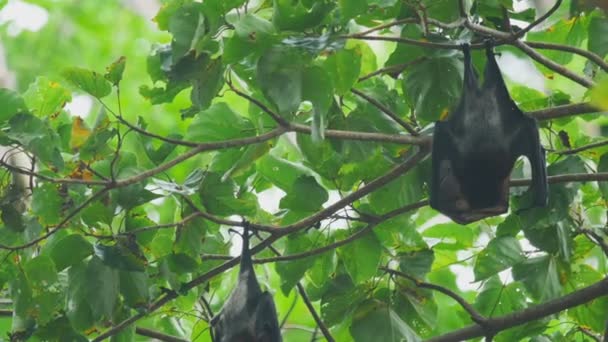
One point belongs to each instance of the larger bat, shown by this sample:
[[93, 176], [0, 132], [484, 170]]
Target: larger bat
[[474, 150], [249, 315]]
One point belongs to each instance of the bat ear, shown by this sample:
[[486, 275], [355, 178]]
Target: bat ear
[[470, 76]]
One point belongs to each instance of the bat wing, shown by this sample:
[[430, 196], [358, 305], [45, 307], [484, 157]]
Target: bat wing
[[266, 323]]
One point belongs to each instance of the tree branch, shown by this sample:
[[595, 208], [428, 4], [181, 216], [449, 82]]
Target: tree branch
[[501, 323]]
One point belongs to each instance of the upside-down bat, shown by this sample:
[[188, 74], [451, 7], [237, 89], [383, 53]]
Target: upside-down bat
[[249, 315], [474, 150]]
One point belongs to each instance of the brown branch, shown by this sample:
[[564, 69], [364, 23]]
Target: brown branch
[[367, 136], [583, 148], [386, 111], [584, 81], [373, 185], [330, 133], [393, 68], [31, 173], [196, 150], [595, 58], [564, 110], [501, 323], [573, 177], [276, 117], [535, 23], [158, 335], [596, 239]]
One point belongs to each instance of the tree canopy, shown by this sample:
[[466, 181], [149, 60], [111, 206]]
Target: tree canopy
[[144, 144]]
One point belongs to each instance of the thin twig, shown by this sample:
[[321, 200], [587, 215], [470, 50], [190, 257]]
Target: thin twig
[[397, 68], [583, 148], [475, 316], [158, 335], [535, 23], [386, 111], [501, 323]]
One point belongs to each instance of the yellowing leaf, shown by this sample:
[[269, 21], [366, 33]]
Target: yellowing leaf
[[80, 133], [599, 94]]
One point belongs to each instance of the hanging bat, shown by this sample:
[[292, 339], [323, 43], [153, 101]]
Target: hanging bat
[[474, 150], [249, 315]]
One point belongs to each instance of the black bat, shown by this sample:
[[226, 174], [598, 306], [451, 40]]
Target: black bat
[[249, 315], [474, 150]]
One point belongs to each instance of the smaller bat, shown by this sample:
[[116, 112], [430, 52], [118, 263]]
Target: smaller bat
[[249, 315]]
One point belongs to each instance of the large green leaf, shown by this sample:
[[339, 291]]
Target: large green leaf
[[11, 103], [434, 85], [375, 321], [361, 257], [501, 253], [89, 81], [45, 97]]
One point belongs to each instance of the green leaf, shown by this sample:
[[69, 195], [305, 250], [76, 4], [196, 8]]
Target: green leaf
[[299, 15], [599, 94], [12, 218], [317, 88], [306, 195], [181, 263], [121, 256], [340, 299], [102, 288], [344, 67], [187, 25], [496, 298], [292, 271], [279, 74], [500, 253], [220, 198], [158, 154], [190, 236], [37, 137], [115, 70], [45, 97], [593, 313], [89, 81], [416, 263], [11, 103], [375, 321], [132, 195], [219, 123], [207, 83], [97, 212], [361, 257], [280, 172], [540, 277], [70, 250], [352, 8], [47, 203], [434, 85], [254, 35], [598, 35], [134, 288], [92, 293], [565, 31], [41, 272]]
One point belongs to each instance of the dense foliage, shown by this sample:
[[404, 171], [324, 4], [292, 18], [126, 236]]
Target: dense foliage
[[310, 120]]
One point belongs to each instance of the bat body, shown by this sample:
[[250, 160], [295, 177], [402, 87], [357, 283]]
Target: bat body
[[249, 315], [474, 150]]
